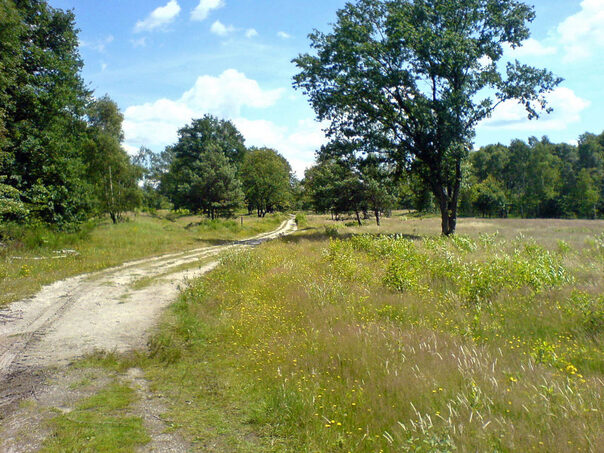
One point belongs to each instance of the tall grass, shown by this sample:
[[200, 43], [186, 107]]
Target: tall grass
[[383, 343]]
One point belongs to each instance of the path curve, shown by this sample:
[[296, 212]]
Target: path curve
[[103, 310]]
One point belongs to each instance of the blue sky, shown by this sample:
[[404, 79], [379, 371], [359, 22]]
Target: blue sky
[[167, 61]]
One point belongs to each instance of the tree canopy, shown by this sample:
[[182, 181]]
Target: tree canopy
[[42, 102], [413, 78], [202, 175], [113, 176], [266, 178]]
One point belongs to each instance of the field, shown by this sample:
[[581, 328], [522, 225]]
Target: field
[[41, 256], [340, 339]]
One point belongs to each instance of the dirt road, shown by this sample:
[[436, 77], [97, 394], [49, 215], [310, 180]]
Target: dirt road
[[110, 310]]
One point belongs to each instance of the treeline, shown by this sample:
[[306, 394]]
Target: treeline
[[526, 180], [210, 171], [61, 154], [537, 179]]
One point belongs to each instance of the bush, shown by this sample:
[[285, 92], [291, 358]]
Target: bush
[[301, 220]]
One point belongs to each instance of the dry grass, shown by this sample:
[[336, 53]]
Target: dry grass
[[485, 342]]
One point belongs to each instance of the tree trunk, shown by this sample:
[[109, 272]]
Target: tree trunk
[[113, 217], [377, 216], [359, 218], [447, 201]]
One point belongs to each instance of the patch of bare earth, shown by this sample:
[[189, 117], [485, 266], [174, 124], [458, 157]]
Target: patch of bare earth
[[69, 319]]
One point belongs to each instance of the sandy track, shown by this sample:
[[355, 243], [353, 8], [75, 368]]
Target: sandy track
[[102, 310]]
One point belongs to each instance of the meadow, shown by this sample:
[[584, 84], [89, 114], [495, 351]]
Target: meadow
[[367, 339], [37, 256]]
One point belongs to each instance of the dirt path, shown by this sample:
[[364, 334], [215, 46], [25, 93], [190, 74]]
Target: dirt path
[[110, 310]]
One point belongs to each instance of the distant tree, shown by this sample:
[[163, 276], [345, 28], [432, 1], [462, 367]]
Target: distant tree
[[333, 187], [110, 170], [266, 178], [377, 186], [208, 185], [414, 78], [153, 166], [585, 195], [488, 198], [204, 163]]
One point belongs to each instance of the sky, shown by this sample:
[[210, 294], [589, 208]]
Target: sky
[[166, 62]]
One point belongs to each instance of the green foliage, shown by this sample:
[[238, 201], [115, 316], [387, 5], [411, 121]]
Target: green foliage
[[489, 198], [266, 178], [301, 220], [11, 205], [539, 178], [341, 184], [409, 80], [44, 96], [112, 174], [202, 175]]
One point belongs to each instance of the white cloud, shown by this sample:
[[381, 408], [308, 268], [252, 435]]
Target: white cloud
[[103, 66], [204, 8], [567, 109], [99, 45], [251, 32], [283, 35], [582, 34], [218, 28], [530, 48], [297, 145], [156, 124], [159, 17]]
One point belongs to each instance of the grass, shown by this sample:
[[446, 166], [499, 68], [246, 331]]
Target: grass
[[100, 423], [32, 261], [331, 340]]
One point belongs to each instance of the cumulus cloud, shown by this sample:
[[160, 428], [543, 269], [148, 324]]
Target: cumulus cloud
[[204, 8], [251, 32], [530, 48], [297, 144], [567, 109], [155, 124], [218, 28], [283, 35], [582, 34], [159, 17]]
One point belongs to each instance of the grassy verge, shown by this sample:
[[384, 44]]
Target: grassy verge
[[484, 342], [32, 261], [100, 423]]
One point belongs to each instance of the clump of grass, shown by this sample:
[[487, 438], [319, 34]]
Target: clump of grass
[[387, 343], [99, 423]]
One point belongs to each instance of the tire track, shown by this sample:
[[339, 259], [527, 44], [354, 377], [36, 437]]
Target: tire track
[[101, 310]]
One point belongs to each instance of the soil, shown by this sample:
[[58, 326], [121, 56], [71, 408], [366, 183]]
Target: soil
[[108, 311]]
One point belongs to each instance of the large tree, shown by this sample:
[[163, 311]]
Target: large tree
[[266, 178], [42, 101], [202, 176], [413, 78]]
